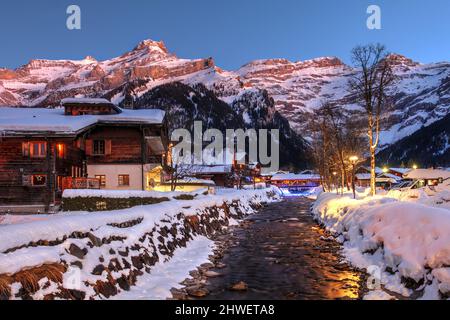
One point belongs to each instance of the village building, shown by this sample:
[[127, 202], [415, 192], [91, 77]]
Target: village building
[[291, 183], [90, 143], [399, 172], [427, 177]]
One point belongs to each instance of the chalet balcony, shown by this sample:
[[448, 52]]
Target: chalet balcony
[[80, 183]]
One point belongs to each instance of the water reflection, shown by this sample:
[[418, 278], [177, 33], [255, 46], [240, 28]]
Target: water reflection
[[283, 254]]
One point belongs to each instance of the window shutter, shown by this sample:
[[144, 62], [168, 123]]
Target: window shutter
[[26, 149], [88, 147], [108, 147]]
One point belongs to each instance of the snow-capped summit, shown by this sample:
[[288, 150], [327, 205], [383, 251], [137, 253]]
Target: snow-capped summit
[[152, 45]]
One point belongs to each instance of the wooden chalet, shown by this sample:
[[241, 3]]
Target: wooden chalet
[[90, 143]]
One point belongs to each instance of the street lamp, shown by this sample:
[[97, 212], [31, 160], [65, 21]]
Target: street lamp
[[385, 170], [353, 161], [415, 166]]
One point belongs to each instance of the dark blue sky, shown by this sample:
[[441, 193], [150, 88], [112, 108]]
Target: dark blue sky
[[233, 32]]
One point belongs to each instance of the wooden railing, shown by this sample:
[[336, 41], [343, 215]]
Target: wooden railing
[[80, 183]]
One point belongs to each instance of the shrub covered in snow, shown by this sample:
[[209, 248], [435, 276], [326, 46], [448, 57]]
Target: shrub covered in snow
[[107, 200]]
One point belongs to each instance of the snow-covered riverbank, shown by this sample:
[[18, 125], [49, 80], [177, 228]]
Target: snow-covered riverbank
[[401, 238], [96, 255]]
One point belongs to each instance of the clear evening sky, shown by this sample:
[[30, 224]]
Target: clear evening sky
[[233, 32]]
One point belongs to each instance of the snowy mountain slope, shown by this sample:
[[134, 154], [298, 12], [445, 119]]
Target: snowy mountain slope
[[185, 104], [421, 95], [428, 146]]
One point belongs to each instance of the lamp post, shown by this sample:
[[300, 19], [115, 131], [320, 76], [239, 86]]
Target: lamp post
[[353, 161]]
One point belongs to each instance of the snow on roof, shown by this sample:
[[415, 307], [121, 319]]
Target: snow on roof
[[362, 176], [377, 169], [54, 120], [293, 176], [85, 101], [192, 180], [401, 170], [384, 177], [428, 174], [389, 175], [206, 169]]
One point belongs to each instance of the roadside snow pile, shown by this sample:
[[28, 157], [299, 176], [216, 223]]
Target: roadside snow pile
[[436, 196], [107, 251], [406, 240], [83, 193]]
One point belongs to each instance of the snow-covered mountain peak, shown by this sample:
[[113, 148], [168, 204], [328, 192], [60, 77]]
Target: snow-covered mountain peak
[[398, 59], [422, 91], [152, 46]]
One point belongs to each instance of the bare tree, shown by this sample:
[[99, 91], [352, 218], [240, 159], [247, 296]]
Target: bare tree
[[335, 137], [370, 83]]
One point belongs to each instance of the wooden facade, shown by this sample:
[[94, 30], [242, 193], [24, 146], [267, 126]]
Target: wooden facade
[[31, 168], [35, 166]]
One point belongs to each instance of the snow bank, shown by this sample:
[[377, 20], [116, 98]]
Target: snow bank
[[165, 276], [406, 235], [113, 248], [75, 193]]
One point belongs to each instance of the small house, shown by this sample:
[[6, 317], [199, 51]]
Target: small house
[[88, 143]]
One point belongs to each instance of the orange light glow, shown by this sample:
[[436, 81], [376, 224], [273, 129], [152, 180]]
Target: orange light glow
[[60, 150]]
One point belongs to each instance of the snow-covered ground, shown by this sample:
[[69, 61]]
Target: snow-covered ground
[[402, 238], [169, 274], [26, 241]]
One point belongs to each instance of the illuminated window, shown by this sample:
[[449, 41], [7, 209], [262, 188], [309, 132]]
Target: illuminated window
[[39, 180], [102, 179], [34, 149], [61, 150], [38, 149], [124, 180]]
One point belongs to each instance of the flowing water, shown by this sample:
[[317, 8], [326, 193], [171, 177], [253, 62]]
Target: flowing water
[[281, 253]]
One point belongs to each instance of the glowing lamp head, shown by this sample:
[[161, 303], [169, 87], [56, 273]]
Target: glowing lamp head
[[353, 159], [415, 167], [385, 170]]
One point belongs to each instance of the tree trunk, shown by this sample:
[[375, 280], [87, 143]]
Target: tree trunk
[[373, 189]]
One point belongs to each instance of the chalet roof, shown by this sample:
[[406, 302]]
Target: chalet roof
[[428, 174], [18, 121], [362, 176], [401, 170], [293, 176], [388, 175], [379, 178], [368, 169], [206, 169], [84, 101], [90, 102]]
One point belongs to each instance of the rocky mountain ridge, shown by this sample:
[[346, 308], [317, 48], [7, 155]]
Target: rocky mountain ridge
[[421, 95]]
